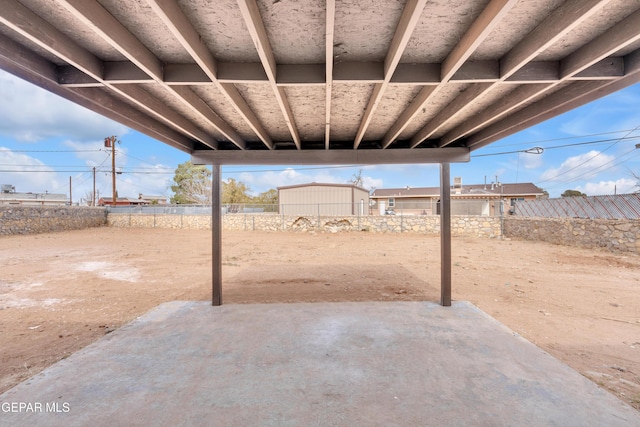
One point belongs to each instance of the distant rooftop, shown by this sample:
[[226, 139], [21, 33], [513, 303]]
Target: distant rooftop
[[519, 189]]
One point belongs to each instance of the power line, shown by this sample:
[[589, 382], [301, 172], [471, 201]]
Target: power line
[[50, 151], [591, 158], [577, 144]]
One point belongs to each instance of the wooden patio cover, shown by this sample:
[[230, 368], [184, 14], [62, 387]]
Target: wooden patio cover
[[325, 82]]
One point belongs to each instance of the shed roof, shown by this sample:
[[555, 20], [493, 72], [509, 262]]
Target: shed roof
[[317, 184], [308, 81]]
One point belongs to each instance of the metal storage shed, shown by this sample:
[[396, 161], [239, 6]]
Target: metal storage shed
[[323, 199]]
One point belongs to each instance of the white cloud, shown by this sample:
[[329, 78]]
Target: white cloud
[[31, 114], [259, 182], [620, 186], [94, 153], [531, 161], [577, 166], [371, 183], [21, 175]]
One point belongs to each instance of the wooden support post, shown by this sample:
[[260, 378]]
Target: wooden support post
[[445, 235], [216, 235]]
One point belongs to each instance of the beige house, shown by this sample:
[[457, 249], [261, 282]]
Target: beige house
[[9, 196], [475, 199], [323, 199]]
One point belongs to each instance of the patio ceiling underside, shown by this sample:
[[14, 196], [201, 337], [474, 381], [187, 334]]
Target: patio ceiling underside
[[325, 81]]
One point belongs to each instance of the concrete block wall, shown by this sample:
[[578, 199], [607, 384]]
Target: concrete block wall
[[426, 224], [45, 219], [609, 234]]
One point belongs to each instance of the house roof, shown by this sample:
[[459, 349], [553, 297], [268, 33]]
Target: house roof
[[333, 82], [520, 189], [34, 196], [317, 184]]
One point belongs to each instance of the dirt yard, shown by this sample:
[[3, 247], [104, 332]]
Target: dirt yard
[[62, 291]]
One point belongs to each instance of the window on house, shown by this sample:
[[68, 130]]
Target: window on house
[[392, 203], [516, 199]]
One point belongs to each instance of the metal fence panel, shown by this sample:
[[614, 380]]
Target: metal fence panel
[[481, 207], [619, 206]]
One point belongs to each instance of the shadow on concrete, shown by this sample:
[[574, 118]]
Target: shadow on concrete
[[327, 283]]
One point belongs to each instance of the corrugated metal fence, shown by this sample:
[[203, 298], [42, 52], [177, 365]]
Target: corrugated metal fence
[[620, 206]]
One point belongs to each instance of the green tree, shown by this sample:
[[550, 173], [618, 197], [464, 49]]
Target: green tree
[[269, 197], [192, 184], [572, 193], [235, 192]]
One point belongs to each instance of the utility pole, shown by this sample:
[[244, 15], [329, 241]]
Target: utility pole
[[93, 195], [110, 142], [70, 193]]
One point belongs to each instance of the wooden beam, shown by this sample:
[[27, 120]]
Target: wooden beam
[[104, 24], [468, 96], [445, 234], [301, 75], [479, 30], [407, 24], [203, 109], [53, 41], [35, 69], [561, 21], [408, 21], [611, 41], [413, 74], [31, 26], [328, 59], [358, 72], [477, 71], [417, 74], [185, 74], [546, 104], [567, 99], [177, 22], [255, 25], [557, 25], [475, 35], [331, 157], [216, 235], [160, 109], [590, 56], [515, 99], [408, 114], [99, 20]]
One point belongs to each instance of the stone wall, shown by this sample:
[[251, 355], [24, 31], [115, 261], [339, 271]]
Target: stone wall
[[461, 225], [45, 219], [609, 234]]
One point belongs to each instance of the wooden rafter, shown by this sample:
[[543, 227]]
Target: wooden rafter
[[47, 37], [37, 70], [103, 23], [592, 53], [563, 20], [408, 21], [177, 22], [478, 31], [251, 14], [330, 26]]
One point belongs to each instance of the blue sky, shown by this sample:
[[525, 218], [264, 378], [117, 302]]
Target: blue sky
[[45, 139]]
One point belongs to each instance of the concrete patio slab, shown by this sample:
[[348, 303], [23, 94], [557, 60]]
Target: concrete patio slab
[[326, 364]]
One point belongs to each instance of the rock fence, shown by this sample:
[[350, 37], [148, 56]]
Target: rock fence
[[609, 234], [45, 219], [481, 226]]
